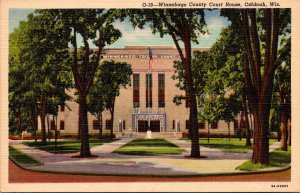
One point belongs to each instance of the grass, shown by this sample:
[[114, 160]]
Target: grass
[[21, 158], [234, 145], [277, 158], [65, 145], [149, 147]]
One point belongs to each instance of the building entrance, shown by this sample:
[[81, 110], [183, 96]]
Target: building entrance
[[154, 126], [157, 122]]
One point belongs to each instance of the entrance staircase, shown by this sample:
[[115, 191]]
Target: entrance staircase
[[153, 134]]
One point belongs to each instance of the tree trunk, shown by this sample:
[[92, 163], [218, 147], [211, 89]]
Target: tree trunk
[[248, 136], [100, 126], [289, 132], [79, 123], [33, 125], [43, 128], [228, 125], [48, 129], [241, 125], [208, 132], [284, 130], [261, 137], [84, 132], [55, 135], [194, 132], [112, 123]]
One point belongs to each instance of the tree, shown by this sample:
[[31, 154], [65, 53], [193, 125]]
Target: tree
[[262, 85], [92, 25], [41, 60], [183, 25], [283, 87], [96, 101], [260, 30], [113, 75]]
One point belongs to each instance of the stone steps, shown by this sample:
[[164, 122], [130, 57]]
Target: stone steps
[[153, 135]]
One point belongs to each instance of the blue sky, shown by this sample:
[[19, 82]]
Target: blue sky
[[138, 37]]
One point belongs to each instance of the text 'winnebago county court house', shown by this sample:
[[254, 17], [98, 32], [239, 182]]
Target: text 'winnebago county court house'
[[135, 106]]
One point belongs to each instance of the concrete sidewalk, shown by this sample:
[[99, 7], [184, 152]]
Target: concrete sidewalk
[[109, 163]]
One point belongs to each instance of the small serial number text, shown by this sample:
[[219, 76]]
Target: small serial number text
[[279, 186]]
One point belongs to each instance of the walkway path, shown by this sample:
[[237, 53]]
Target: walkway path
[[214, 153], [107, 162]]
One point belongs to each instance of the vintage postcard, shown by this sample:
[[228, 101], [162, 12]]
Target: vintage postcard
[[149, 96]]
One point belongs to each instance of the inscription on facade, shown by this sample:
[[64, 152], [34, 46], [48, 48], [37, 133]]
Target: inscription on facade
[[141, 56]]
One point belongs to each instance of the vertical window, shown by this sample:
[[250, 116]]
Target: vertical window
[[62, 125], [187, 124], [136, 90], [124, 126], [187, 100], [62, 107], [52, 125], [96, 125], [148, 90], [214, 125], [201, 125], [108, 124], [173, 125], [161, 90]]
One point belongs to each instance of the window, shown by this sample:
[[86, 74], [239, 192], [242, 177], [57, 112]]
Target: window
[[201, 125], [148, 90], [173, 125], [96, 125], [187, 100], [161, 90], [136, 90], [108, 124], [214, 125], [62, 107], [52, 125], [187, 124], [124, 126], [62, 125]]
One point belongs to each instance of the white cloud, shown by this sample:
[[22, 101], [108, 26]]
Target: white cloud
[[216, 23], [206, 35]]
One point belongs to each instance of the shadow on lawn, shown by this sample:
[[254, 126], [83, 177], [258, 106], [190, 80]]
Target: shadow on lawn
[[65, 146]]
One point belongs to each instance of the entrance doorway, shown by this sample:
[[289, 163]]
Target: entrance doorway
[[154, 126]]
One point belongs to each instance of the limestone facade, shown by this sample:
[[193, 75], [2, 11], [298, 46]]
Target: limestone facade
[[135, 118]]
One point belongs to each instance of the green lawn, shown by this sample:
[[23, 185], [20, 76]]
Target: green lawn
[[234, 145], [21, 158], [278, 158], [149, 147], [65, 145]]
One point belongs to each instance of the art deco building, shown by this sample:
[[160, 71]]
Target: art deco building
[[148, 102]]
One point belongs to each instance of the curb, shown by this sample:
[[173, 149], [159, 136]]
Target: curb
[[154, 175], [147, 175]]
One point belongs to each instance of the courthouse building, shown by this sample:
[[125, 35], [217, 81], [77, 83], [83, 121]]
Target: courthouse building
[[148, 100]]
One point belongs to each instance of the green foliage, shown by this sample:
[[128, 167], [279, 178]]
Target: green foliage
[[149, 147], [277, 158], [65, 145], [142, 150], [170, 21], [234, 145], [218, 79], [157, 142], [21, 158], [38, 72], [112, 76]]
